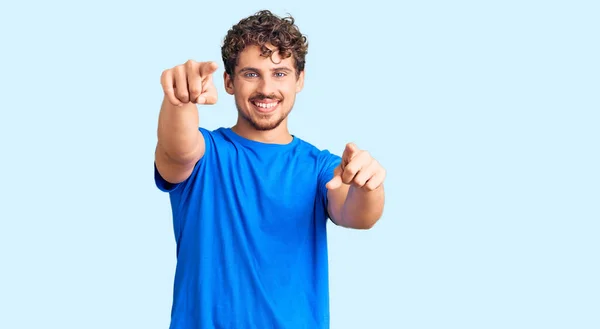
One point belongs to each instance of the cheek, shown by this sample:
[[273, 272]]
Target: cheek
[[243, 93], [289, 90]]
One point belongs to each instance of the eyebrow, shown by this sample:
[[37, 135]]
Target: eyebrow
[[279, 68]]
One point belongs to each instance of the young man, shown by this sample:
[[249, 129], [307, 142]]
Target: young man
[[250, 203]]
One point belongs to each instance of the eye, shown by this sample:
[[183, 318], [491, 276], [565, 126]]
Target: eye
[[250, 75], [280, 74]]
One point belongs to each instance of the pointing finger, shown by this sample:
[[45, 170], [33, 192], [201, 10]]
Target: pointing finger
[[350, 151], [352, 147], [359, 162], [208, 68]]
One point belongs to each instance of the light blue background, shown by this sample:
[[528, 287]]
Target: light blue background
[[485, 114]]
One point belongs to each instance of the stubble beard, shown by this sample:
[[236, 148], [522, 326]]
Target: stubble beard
[[261, 122]]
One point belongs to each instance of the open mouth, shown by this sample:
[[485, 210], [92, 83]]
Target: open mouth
[[265, 105]]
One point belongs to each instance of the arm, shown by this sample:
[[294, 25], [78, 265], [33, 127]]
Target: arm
[[356, 194], [180, 144]]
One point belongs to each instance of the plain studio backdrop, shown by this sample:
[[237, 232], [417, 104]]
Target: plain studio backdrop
[[485, 114]]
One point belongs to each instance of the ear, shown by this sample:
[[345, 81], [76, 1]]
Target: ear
[[228, 83], [300, 82]]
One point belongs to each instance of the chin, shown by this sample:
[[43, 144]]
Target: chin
[[265, 121], [266, 124]]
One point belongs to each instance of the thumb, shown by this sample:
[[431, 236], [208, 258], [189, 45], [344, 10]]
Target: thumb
[[336, 181], [209, 97]]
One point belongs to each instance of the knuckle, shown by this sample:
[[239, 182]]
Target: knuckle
[[164, 76], [182, 93], [350, 170], [194, 90]]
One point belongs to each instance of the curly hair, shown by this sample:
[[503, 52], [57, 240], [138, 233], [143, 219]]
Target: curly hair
[[260, 29]]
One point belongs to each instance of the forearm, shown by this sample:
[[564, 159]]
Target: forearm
[[363, 208], [178, 134]]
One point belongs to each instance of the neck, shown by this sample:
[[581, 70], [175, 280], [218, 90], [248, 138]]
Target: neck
[[279, 135]]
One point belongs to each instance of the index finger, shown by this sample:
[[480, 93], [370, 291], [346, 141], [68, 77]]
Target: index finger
[[349, 152], [207, 68]]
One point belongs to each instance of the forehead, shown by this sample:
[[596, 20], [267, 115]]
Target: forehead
[[251, 57]]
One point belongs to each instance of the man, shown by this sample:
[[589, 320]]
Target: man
[[250, 203]]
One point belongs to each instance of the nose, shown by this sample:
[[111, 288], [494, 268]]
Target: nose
[[267, 86]]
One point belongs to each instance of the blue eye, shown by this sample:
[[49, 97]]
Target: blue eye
[[280, 74], [250, 75]]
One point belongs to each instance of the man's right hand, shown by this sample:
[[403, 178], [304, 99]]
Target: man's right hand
[[191, 82]]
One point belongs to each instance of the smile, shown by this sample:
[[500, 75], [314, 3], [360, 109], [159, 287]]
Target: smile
[[265, 105]]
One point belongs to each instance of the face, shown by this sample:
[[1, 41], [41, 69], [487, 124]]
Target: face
[[264, 88]]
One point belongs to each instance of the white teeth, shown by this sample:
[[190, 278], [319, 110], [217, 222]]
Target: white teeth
[[266, 105]]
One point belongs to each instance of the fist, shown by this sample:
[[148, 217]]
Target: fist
[[191, 82], [358, 169]]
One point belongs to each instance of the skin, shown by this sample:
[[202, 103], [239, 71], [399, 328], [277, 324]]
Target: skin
[[264, 80], [355, 194]]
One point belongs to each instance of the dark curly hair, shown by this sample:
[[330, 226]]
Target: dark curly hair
[[262, 28]]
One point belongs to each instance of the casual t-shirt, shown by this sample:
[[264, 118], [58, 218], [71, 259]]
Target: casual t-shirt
[[250, 229]]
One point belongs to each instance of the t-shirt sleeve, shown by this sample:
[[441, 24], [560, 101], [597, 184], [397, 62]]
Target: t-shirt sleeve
[[327, 164], [161, 183], [166, 186]]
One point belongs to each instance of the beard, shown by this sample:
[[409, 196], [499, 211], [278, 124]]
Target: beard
[[263, 122]]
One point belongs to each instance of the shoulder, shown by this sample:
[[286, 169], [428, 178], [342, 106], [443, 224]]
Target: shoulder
[[324, 157], [313, 148], [214, 135], [217, 140]]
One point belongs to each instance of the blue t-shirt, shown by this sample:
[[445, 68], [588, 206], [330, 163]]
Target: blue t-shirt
[[250, 229]]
